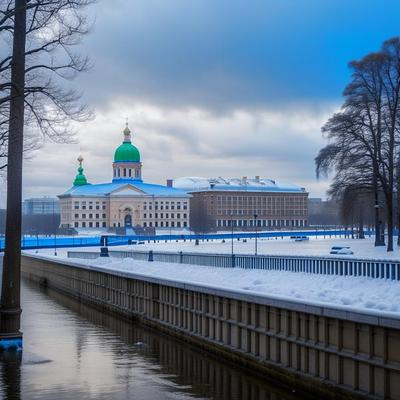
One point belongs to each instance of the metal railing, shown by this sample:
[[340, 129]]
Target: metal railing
[[378, 269]]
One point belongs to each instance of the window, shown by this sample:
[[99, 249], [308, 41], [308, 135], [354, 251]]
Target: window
[[144, 215], [83, 224], [104, 224], [184, 215], [97, 216], [178, 216], [144, 224], [172, 224], [76, 224], [90, 216], [104, 215], [76, 205], [124, 172], [166, 215], [178, 224], [76, 215], [90, 224], [172, 216], [83, 216], [97, 224], [185, 224]]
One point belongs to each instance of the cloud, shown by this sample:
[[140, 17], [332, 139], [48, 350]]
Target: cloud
[[179, 142]]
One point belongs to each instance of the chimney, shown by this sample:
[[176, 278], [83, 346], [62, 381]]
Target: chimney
[[169, 182], [257, 178], [244, 180]]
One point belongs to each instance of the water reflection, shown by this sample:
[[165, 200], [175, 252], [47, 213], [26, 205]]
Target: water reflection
[[72, 351], [10, 375]]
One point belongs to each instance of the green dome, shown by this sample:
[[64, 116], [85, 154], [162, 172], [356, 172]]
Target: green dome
[[80, 178], [127, 152]]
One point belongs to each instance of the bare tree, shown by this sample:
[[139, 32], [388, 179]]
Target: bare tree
[[53, 29], [43, 33], [367, 127]]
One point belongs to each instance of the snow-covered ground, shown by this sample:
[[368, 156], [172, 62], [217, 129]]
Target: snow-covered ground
[[352, 293], [362, 248]]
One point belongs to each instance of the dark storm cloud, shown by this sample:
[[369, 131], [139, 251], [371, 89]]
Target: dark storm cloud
[[231, 54]]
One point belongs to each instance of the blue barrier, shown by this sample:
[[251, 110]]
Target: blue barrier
[[36, 242]]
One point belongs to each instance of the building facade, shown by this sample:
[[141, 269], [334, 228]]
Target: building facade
[[125, 202], [41, 205], [243, 204]]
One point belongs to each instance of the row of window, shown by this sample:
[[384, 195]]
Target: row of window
[[90, 216], [166, 206], [261, 223], [90, 224], [89, 205], [261, 199], [299, 212], [161, 215], [160, 224]]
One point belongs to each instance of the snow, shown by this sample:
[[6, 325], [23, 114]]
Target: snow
[[367, 295], [362, 248]]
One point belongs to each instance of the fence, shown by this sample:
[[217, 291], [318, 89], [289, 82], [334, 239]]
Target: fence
[[378, 269], [57, 241]]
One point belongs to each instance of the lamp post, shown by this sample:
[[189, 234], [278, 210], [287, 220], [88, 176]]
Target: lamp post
[[379, 236], [232, 233], [255, 224]]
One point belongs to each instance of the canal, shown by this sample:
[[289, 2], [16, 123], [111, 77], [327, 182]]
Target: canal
[[72, 351]]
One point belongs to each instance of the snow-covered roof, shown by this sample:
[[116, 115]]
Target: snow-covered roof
[[124, 188], [257, 184]]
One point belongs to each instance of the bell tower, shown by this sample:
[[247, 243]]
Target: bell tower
[[127, 165]]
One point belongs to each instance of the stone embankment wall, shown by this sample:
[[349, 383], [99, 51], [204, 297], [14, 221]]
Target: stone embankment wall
[[329, 352]]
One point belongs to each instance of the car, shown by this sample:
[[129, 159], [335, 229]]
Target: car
[[341, 250]]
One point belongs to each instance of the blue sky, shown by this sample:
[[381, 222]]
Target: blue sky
[[215, 88]]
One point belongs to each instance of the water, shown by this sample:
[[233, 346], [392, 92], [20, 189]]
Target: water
[[72, 351]]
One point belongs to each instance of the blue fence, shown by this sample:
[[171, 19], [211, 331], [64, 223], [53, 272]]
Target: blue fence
[[40, 242]]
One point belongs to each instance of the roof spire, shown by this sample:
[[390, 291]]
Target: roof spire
[[80, 178], [127, 133]]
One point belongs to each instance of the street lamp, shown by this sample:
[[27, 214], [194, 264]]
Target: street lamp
[[255, 224], [232, 233], [379, 235]]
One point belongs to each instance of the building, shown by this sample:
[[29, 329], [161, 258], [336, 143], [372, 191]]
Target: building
[[127, 201], [242, 203], [41, 205]]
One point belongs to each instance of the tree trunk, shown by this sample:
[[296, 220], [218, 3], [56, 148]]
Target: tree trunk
[[10, 293], [361, 234], [378, 241], [389, 205]]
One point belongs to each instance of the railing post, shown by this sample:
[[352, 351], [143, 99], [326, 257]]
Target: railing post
[[180, 257], [233, 261], [151, 257]]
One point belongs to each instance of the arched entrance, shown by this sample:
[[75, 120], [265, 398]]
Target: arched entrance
[[128, 221]]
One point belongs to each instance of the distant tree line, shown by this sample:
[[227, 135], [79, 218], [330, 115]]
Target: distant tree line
[[364, 143]]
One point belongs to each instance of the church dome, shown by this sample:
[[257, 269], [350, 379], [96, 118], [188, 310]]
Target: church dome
[[127, 152]]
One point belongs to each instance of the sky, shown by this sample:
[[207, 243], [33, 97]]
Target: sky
[[213, 87]]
